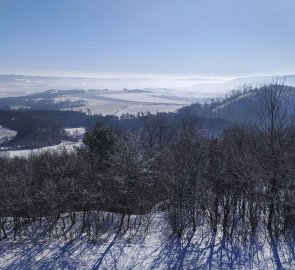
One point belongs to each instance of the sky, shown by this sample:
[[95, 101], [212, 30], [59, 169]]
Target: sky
[[193, 38]]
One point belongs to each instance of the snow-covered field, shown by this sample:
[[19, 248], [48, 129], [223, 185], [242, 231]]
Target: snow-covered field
[[6, 134], [147, 244], [146, 98], [75, 132], [120, 102], [65, 145]]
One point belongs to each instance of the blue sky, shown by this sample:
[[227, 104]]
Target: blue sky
[[198, 37]]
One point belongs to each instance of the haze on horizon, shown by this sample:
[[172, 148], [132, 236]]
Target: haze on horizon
[[180, 42]]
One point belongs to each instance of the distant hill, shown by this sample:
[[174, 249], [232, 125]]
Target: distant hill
[[17, 85], [217, 89], [243, 105]]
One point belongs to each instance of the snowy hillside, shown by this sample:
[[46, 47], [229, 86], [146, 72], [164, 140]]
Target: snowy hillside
[[6, 134], [65, 145], [75, 132], [146, 243], [217, 89], [128, 101]]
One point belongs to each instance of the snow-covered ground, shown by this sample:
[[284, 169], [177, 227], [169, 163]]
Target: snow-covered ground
[[233, 100], [75, 132], [148, 244], [146, 98], [6, 134], [153, 108], [120, 102], [65, 145]]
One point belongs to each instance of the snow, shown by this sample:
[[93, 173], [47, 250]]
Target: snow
[[18, 107], [153, 109], [33, 84], [144, 97], [75, 132], [233, 100], [6, 134], [112, 104], [65, 145], [148, 245]]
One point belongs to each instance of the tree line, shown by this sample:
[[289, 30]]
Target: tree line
[[237, 182]]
